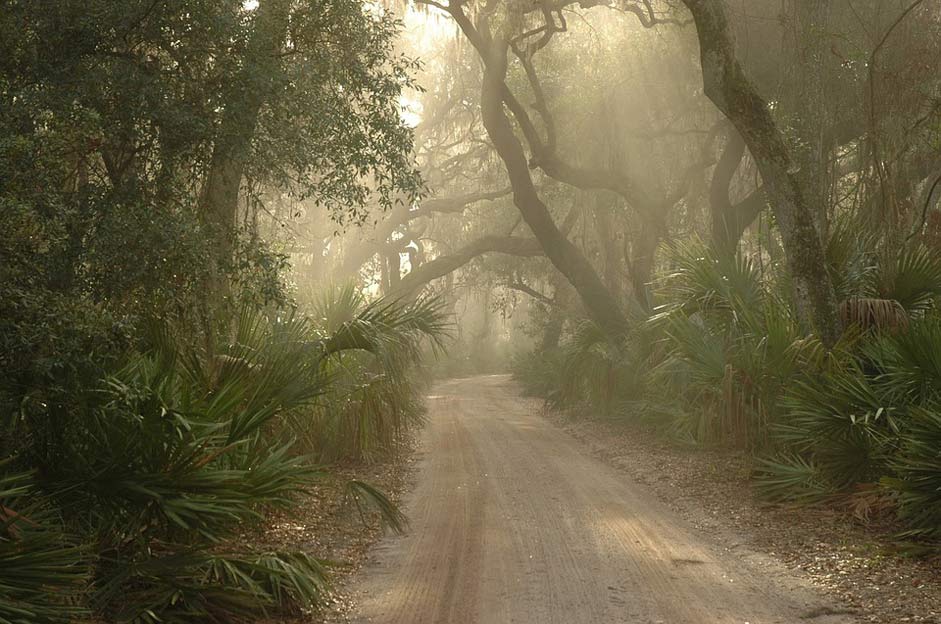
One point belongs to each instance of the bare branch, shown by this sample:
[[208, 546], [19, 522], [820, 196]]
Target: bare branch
[[452, 205], [520, 286], [441, 266], [648, 18]]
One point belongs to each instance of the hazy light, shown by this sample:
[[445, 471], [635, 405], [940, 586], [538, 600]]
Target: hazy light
[[411, 111]]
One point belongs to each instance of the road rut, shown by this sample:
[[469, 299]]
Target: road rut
[[513, 522]]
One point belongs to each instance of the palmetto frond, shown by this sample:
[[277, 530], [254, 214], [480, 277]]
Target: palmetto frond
[[918, 480], [912, 278], [185, 447], [42, 569], [791, 478], [710, 282], [177, 583], [372, 353], [908, 364]]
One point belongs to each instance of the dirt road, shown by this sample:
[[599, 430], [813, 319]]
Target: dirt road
[[511, 521]]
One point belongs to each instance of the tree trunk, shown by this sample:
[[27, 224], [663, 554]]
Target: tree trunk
[[610, 254], [239, 121], [360, 251], [726, 85], [394, 267], [729, 220], [565, 256], [643, 258], [553, 331], [445, 265], [813, 114]]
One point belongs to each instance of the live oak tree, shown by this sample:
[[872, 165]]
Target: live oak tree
[[639, 178], [140, 142], [179, 117], [798, 143], [795, 174], [491, 39], [503, 34]]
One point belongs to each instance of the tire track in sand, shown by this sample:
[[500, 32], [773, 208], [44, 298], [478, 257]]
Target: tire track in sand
[[511, 522]]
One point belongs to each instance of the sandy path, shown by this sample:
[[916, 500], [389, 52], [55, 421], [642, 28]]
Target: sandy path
[[512, 522]]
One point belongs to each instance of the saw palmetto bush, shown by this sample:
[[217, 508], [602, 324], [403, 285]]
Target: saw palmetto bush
[[731, 345], [725, 287], [709, 362], [893, 290], [590, 371], [862, 424], [916, 481], [839, 425], [168, 464], [870, 419], [858, 421], [907, 366], [910, 277], [731, 364], [375, 389], [178, 453], [597, 371], [43, 570], [539, 372]]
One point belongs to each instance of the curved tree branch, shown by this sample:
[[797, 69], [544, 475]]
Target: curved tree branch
[[566, 257], [520, 286], [400, 215], [441, 266]]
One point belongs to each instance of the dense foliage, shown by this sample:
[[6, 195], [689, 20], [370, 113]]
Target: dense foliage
[[163, 389], [725, 361], [161, 464], [730, 232], [739, 247]]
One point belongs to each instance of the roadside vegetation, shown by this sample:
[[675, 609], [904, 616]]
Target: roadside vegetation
[[723, 361], [166, 385], [235, 235]]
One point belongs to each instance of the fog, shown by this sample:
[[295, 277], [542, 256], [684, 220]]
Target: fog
[[279, 277], [627, 155]]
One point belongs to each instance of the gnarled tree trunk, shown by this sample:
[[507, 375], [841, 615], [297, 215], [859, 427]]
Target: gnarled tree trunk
[[725, 83], [565, 256], [729, 220]]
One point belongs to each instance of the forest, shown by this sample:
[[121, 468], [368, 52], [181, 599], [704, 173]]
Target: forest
[[250, 247]]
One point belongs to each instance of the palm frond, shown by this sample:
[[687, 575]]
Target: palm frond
[[912, 278], [710, 282], [869, 313], [917, 482], [790, 478], [366, 497], [43, 570]]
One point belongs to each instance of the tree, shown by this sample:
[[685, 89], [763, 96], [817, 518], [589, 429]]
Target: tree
[[493, 45], [171, 122], [726, 84]]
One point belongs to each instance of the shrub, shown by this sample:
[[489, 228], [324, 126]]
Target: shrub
[[162, 464]]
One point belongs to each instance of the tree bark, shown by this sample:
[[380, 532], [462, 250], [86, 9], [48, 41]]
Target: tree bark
[[729, 220], [372, 243], [360, 253], [610, 254], [725, 83], [643, 256], [393, 263], [813, 114]]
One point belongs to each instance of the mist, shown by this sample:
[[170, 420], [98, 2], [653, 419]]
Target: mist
[[470, 311]]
